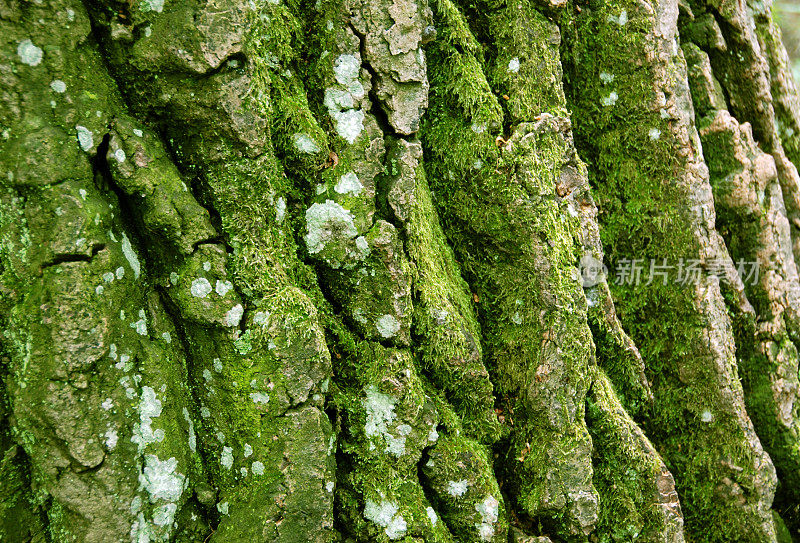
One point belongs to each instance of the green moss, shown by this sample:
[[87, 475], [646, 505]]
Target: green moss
[[643, 215]]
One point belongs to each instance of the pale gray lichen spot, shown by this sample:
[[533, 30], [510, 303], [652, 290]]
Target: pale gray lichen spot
[[478, 128], [192, 435], [489, 510], [223, 287], [654, 134], [119, 154], [205, 412], [141, 325], [167, 337], [153, 5], [108, 277], [217, 363], [248, 450], [164, 515], [706, 416], [513, 65], [58, 86], [161, 480], [234, 316], [280, 210], [173, 278], [305, 144], [261, 317], [325, 222], [259, 397], [387, 326], [28, 53], [329, 486], [258, 468], [606, 77], [120, 272], [457, 488], [433, 435], [621, 20], [346, 69], [107, 404], [226, 458], [363, 246], [610, 100], [149, 408], [201, 287], [207, 265], [207, 375], [130, 256], [85, 137], [111, 438], [349, 184], [432, 515], [137, 132], [386, 516], [223, 508], [349, 124]]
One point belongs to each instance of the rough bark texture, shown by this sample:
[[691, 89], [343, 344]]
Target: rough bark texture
[[283, 270]]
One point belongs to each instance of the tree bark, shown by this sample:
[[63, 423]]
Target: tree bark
[[283, 270]]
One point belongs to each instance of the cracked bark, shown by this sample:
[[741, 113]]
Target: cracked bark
[[311, 271]]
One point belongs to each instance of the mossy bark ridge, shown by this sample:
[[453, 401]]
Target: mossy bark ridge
[[290, 271]]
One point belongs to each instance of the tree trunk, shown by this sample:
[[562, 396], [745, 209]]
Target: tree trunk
[[283, 270]]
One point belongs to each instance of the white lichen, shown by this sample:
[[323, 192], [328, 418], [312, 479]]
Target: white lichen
[[610, 100], [329, 486], [226, 458], [85, 137], [349, 124], [130, 255], [349, 184], [606, 77], [223, 287], [259, 397], [513, 65], [192, 435], [258, 468], [160, 479], [654, 134], [107, 404], [432, 515], [621, 20], [153, 5], [119, 155], [28, 53], [305, 144], [457, 488], [149, 408], [280, 210], [489, 510], [58, 86], [248, 450], [326, 222], [234, 316], [387, 326], [111, 438], [200, 288], [165, 515], [386, 516]]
